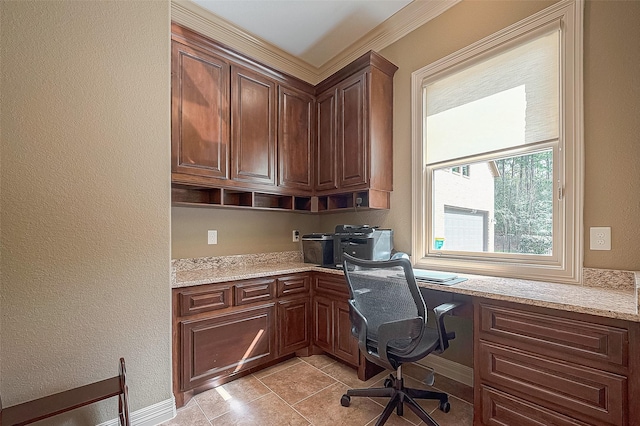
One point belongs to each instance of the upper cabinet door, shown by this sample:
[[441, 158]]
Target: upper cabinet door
[[200, 113], [295, 139], [353, 153], [326, 166], [253, 128]]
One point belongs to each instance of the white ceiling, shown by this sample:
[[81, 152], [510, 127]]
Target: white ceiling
[[312, 30]]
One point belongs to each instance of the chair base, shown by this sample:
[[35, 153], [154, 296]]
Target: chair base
[[399, 396]]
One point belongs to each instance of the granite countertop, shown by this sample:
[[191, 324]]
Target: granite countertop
[[612, 294], [601, 301], [240, 272]]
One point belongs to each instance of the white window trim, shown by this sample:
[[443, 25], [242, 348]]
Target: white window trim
[[568, 266]]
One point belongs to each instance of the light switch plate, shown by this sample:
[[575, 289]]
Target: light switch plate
[[212, 237], [600, 238]]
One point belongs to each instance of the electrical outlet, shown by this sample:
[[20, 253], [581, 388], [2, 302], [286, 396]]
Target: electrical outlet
[[212, 237], [600, 238], [295, 236]]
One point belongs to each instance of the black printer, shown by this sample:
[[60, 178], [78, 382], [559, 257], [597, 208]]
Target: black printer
[[362, 241]]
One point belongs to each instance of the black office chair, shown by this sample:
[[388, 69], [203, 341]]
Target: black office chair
[[389, 318]]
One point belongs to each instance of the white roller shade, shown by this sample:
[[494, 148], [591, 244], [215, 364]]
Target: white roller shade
[[505, 101]]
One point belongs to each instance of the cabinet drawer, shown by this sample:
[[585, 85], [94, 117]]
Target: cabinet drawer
[[501, 409], [580, 339], [577, 391], [336, 285], [254, 291], [293, 285], [205, 299]]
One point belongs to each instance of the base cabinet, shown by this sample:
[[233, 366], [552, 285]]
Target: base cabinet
[[536, 366], [345, 345], [225, 330], [323, 323], [500, 408], [226, 344], [332, 326], [294, 319]]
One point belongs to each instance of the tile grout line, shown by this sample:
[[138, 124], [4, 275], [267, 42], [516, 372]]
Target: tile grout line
[[336, 382], [293, 408], [277, 371], [202, 411]]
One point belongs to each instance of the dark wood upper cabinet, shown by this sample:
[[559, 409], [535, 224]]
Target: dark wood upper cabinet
[[247, 135], [325, 158], [200, 113], [357, 102], [352, 131], [253, 127], [295, 139]]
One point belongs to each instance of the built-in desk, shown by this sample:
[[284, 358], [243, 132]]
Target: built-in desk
[[620, 303], [544, 353]]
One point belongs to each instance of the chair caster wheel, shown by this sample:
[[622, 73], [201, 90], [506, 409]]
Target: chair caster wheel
[[445, 407], [388, 383], [345, 401]]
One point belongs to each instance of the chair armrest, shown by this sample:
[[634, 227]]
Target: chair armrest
[[396, 330], [440, 311]]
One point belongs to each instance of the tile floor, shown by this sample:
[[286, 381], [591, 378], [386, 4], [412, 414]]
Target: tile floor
[[307, 391]]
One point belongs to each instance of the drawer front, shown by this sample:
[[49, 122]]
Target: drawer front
[[331, 284], [501, 409], [209, 298], [577, 391], [254, 291], [294, 284], [528, 330]]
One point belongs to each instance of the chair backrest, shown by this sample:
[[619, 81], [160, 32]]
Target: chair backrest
[[383, 291]]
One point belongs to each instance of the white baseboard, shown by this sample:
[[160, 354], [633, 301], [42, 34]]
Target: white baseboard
[[453, 370], [149, 416]]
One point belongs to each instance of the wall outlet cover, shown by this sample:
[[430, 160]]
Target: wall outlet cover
[[600, 238], [212, 237]]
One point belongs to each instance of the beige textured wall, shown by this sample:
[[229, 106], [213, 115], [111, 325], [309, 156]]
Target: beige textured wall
[[612, 131], [85, 199], [239, 231]]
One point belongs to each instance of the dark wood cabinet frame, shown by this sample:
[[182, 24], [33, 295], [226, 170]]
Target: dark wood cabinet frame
[[275, 317], [245, 135], [536, 365]]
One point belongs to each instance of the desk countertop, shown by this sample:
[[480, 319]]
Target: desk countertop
[[621, 303]]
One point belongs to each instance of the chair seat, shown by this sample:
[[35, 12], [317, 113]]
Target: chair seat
[[397, 349]]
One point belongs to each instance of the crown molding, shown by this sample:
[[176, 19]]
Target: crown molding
[[407, 19], [195, 17]]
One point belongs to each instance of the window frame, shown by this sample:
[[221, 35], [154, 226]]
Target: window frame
[[565, 265]]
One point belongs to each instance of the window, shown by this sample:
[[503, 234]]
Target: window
[[505, 114]]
